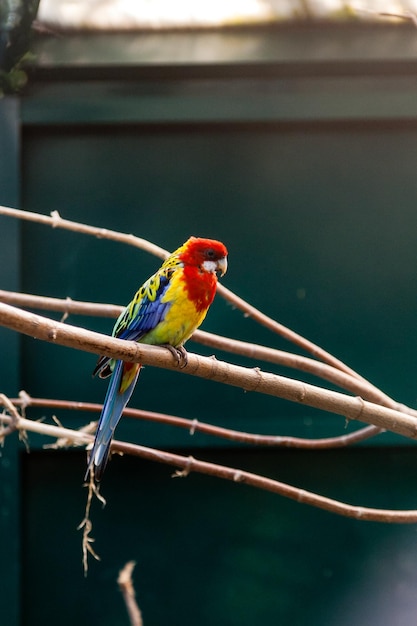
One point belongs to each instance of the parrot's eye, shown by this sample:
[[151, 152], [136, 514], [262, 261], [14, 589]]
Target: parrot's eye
[[210, 254]]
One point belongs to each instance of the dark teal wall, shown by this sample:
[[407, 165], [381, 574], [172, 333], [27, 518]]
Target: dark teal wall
[[213, 552], [9, 361], [9, 229]]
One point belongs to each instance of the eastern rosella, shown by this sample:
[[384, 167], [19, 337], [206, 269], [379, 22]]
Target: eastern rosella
[[165, 311]]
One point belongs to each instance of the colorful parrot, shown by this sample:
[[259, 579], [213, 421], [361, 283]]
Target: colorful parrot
[[165, 311]]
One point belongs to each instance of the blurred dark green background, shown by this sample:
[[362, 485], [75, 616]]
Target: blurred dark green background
[[301, 156]]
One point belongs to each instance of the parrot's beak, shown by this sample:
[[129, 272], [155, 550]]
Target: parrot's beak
[[222, 266]]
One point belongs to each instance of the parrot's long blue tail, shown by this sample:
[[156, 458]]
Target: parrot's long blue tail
[[114, 403]]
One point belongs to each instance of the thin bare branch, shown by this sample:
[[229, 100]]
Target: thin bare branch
[[190, 464], [66, 305], [194, 426], [56, 221]]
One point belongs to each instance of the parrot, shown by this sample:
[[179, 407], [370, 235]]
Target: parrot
[[165, 311]]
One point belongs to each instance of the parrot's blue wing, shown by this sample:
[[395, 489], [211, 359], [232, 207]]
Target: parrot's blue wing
[[145, 311], [142, 315]]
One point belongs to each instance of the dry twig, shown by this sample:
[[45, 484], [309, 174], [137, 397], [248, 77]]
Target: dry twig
[[126, 587], [86, 524]]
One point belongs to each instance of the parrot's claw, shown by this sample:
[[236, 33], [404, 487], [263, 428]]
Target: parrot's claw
[[180, 355]]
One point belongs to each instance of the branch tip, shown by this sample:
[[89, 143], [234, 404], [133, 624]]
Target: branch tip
[[126, 587]]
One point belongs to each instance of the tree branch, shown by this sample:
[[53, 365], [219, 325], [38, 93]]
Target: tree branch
[[357, 386], [190, 464], [68, 306], [56, 221], [194, 426], [210, 368]]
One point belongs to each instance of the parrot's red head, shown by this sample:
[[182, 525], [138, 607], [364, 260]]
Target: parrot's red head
[[208, 255]]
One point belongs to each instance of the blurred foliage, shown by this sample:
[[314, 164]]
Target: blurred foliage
[[16, 19]]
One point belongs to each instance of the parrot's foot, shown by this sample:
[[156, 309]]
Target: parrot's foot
[[180, 354]]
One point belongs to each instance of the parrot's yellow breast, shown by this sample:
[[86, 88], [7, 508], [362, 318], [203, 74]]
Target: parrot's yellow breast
[[181, 318]]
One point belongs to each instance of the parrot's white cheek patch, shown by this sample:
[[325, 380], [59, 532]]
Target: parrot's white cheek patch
[[210, 266]]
